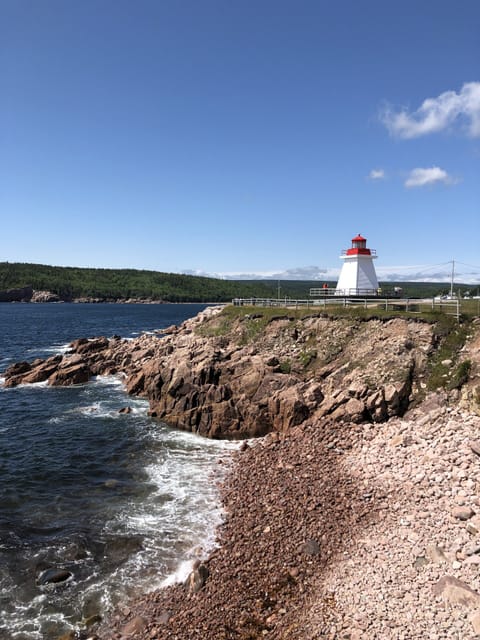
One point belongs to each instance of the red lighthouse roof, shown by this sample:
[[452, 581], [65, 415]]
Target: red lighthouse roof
[[359, 247]]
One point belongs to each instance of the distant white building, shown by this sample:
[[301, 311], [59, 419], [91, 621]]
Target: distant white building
[[357, 277]]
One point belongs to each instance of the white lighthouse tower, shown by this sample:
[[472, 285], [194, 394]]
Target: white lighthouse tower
[[357, 277]]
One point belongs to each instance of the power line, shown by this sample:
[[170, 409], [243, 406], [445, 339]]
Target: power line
[[472, 266]]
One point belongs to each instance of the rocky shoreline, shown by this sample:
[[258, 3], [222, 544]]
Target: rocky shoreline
[[356, 515], [245, 375], [35, 296]]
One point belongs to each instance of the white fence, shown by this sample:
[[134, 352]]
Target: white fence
[[449, 307]]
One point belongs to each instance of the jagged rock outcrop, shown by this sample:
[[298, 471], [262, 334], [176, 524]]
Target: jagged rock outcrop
[[245, 376], [44, 296]]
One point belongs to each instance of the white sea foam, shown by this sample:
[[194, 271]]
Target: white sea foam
[[108, 381], [179, 575], [20, 623], [59, 348], [178, 520], [100, 411], [175, 519], [39, 385], [55, 349], [111, 408]]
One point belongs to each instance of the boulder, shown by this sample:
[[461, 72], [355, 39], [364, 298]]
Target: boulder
[[135, 626], [53, 576], [44, 296], [135, 384], [453, 591], [39, 373], [17, 368], [288, 408], [351, 411], [310, 547], [197, 578], [125, 410], [463, 513], [70, 375], [89, 346]]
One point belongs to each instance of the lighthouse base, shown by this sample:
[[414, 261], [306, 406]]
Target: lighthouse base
[[357, 277]]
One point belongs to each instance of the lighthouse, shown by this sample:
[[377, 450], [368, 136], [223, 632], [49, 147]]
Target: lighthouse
[[357, 277]]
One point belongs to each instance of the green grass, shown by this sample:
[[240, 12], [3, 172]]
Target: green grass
[[450, 337], [306, 357], [285, 366], [268, 314], [460, 375]]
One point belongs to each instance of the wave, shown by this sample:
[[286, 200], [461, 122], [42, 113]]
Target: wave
[[54, 349], [29, 385], [108, 381]]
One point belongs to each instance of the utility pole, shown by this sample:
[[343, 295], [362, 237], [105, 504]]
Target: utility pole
[[453, 276], [278, 289]]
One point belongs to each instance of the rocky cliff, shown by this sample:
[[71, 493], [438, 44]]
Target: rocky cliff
[[231, 374]]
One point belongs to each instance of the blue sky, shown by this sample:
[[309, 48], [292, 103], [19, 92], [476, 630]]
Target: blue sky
[[240, 137]]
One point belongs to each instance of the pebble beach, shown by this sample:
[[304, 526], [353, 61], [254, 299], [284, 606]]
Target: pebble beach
[[338, 531]]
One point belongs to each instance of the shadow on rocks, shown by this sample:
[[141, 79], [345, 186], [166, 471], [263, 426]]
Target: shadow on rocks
[[292, 508]]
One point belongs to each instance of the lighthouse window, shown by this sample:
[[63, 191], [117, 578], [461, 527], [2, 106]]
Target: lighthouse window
[[359, 244]]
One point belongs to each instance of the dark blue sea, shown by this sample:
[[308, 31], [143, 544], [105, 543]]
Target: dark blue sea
[[121, 502]]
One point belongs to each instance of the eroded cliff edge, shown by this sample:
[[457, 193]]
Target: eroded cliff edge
[[228, 373]]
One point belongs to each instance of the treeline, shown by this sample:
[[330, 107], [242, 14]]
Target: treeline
[[112, 284]]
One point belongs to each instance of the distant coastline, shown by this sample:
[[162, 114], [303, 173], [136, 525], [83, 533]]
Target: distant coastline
[[24, 282], [23, 296]]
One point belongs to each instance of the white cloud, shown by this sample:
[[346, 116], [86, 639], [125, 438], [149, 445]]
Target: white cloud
[[437, 114], [376, 174], [404, 273], [424, 177], [296, 273], [398, 273]]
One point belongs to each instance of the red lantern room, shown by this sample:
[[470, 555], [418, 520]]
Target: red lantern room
[[359, 247]]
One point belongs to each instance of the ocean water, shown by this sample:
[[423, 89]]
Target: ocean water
[[119, 501]]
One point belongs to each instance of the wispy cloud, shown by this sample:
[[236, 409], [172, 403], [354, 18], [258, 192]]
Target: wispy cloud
[[424, 177], [376, 174], [296, 273], [437, 114], [404, 273]]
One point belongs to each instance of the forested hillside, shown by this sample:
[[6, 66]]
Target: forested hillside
[[112, 284], [74, 282]]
